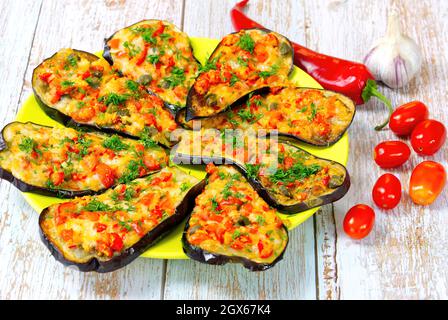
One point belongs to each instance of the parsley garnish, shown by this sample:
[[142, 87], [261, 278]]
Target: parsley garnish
[[153, 58], [297, 172], [96, 205], [28, 145], [234, 79], [114, 98], [313, 112], [252, 170], [67, 83], [265, 74], [184, 186], [132, 85], [176, 78], [215, 205], [246, 43], [146, 138], [114, 143], [133, 50], [209, 65], [125, 224], [260, 220], [84, 144], [132, 171]]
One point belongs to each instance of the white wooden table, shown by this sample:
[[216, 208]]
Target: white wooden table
[[405, 257]]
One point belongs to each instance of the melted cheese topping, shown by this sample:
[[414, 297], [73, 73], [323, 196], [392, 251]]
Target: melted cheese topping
[[63, 158], [231, 219], [106, 225], [243, 62], [314, 116], [86, 89], [289, 174], [157, 54]]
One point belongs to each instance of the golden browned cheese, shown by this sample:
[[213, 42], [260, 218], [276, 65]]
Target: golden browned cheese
[[63, 158], [230, 219]]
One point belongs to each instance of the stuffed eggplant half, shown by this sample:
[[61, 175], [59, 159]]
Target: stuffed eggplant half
[[105, 232], [156, 54], [316, 117], [285, 176], [231, 223], [79, 89], [68, 163], [247, 61]]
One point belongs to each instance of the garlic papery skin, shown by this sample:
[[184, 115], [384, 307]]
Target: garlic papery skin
[[394, 59]]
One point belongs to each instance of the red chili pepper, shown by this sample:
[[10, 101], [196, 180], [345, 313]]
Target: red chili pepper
[[352, 79]]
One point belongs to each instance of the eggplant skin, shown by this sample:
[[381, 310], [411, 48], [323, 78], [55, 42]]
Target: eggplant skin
[[25, 187], [133, 252], [261, 190], [190, 113], [198, 254]]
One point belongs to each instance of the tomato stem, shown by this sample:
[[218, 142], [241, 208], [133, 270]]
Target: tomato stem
[[371, 90]]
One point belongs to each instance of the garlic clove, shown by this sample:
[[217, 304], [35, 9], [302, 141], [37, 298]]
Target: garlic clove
[[395, 58]]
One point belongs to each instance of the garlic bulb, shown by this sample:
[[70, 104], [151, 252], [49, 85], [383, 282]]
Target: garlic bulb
[[395, 58]]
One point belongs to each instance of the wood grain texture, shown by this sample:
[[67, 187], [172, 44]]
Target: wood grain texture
[[289, 279], [293, 278], [28, 271], [406, 255]]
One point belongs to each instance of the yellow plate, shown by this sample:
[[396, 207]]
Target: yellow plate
[[170, 247]]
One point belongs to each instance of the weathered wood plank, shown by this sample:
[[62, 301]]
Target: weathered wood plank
[[292, 278], [28, 271], [405, 257], [289, 279]]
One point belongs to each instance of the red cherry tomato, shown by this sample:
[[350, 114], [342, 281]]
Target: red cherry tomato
[[404, 118], [386, 192], [359, 221], [391, 154], [427, 182], [428, 137]]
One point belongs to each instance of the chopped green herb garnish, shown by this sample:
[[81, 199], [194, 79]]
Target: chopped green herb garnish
[[234, 79], [153, 58], [146, 138], [28, 145], [252, 170], [114, 99], [132, 171], [114, 143], [313, 112], [273, 71], [260, 220], [96, 205], [246, 43], [176, 78], [133, 50], [209, 65], [184, 186], [215, 205], [132, 85], [297, 172], [67, 83], [84, 145]]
